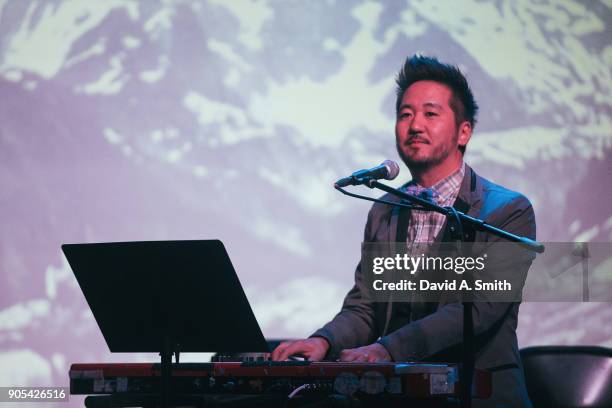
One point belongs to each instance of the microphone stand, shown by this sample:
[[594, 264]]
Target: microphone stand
[[463, 218], [456, 221]]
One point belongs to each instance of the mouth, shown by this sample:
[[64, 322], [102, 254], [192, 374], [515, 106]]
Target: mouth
[[412, 142]]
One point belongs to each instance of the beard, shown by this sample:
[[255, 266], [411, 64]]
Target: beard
[[420, 161]]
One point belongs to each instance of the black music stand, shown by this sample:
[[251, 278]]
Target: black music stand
[[165, 297]]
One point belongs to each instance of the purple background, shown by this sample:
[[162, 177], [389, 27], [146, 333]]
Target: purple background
[[230, 120]]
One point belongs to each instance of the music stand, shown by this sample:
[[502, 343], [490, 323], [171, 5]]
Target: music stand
[[166, 297]]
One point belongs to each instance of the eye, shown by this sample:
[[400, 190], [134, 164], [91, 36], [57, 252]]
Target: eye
[[431, 114], [405, 115]]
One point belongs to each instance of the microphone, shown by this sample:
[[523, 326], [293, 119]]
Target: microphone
[[387, 170]]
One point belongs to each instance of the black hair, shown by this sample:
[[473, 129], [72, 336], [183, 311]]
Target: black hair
[[422, 68]]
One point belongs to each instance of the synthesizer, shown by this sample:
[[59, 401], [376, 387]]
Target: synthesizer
[[416, 380]]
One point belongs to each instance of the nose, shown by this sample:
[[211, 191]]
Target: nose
[[416, 125]]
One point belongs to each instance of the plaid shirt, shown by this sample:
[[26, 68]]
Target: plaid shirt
[[424, 226]]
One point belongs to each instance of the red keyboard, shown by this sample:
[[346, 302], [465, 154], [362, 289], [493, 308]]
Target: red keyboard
[[418, 380]]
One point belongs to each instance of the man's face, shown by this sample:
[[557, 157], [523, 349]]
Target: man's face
[[425, 131]]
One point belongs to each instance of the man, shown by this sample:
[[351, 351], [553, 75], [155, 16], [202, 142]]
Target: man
[[436, 114]]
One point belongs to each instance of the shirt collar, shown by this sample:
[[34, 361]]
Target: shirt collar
[[447, 189]]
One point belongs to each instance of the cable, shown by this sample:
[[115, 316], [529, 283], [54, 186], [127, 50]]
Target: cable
[[297, 390], [377, 200]]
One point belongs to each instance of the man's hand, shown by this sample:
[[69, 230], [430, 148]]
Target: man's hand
[[313, 348], [372, 353]]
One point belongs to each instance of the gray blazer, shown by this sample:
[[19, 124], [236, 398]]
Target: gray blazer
[[433, 332]]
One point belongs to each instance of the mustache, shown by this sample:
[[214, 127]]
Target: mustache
[[415, 139]]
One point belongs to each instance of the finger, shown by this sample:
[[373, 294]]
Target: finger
[[361, 358], [348, 356], [282, 354], [276, 352], [369, 356], [279, 350], [293, 348], [362, 354], [381, 358], [315, 354]]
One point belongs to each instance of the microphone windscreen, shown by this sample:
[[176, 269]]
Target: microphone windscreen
[[392, 169]]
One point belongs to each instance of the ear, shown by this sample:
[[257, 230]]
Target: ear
[[465, 133]]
